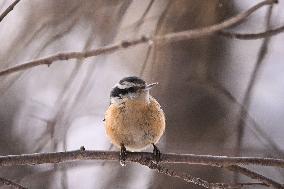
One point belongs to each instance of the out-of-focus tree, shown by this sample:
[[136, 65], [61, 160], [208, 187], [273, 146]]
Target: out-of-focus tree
[[196, 119]]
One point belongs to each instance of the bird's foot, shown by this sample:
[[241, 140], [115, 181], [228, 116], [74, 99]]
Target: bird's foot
[[122, 155], [156, 154]]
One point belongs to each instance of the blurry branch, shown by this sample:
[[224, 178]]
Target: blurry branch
[[58, 35], [141, 20], [9, 9], [253, 175], [171, 37], [152, 48], [146, 158], [136, 27], [144, 64], [261, 134], [11, 183], [251, 36]]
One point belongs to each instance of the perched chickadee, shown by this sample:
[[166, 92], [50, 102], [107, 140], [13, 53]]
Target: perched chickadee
[[134, 119]]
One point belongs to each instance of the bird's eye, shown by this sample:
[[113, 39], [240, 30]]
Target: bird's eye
[[131, 89]]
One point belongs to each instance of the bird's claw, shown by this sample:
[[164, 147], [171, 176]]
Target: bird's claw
[[122, 155], [156, 154]]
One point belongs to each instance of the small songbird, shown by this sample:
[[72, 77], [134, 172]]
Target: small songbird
[[134, 119]]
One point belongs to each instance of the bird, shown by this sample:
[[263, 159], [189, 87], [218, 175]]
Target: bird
[[134, 119]]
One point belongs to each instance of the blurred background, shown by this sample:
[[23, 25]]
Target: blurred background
[[202, 83]]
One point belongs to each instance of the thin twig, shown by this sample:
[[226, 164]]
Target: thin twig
[[252, 36], [158, 27], [255, 175], [240, 185], [9, 9], [191, 179], [11, 183], [171, 37], [58, 157], [195, 180], [141, 19], [184, 176], [144, 64]]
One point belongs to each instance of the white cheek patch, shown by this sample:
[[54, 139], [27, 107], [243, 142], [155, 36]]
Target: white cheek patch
[[123, 98], [120, 86]]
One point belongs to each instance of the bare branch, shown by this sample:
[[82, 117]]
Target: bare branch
[[9, 9], [195, 180], [58, 157], [74, 55], [171, 37], [255, 175], [237, 185], [11, 183], [191, 179], [206, 31], [184, 176], [251, 36], [146, 158], [240, 185]]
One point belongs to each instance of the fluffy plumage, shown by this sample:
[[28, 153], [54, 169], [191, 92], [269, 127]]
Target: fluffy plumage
[[134, 118]]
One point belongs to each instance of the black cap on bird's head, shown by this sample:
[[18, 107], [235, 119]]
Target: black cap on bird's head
[[132, 80], [130, 85]]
